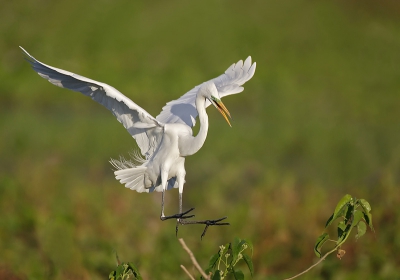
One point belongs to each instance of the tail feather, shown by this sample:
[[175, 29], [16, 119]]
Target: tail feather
[[133, 178], [131, 184], [129, 180]]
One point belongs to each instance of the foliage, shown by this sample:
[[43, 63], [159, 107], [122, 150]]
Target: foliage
[[223, 263], [353, 213], [346, 209], [125, 271]]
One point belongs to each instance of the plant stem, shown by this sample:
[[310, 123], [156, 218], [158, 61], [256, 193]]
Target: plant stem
[[187, 272], [308, 269], [194, 261]]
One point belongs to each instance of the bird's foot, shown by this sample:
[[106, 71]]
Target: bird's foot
[[178, 216], [207, 223]]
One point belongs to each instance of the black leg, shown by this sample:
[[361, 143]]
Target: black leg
[[181, 218], [178, 216]]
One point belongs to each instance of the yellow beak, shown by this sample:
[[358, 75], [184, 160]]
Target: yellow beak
[[223, 110]]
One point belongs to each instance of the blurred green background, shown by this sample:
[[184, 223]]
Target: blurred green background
[[319, 119]]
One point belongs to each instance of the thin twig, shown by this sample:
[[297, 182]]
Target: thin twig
[[194, 261], [187, 272], [116, 256], [308, 269]]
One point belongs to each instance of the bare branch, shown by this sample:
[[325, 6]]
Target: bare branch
[[193, 259], [187, 272]]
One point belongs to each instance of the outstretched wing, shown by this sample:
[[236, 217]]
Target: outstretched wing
[[141, 125], [183, 110]]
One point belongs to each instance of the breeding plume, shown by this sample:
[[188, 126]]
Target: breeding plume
[[164, 141]]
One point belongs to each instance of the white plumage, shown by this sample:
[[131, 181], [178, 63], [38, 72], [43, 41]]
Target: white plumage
[[166, 140]]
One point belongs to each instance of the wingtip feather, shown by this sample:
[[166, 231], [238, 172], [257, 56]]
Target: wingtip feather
[[247, 63], [26, 53], [252, 70], [239, 64]]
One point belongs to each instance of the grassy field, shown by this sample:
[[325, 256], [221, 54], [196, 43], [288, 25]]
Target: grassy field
[[319, 119]]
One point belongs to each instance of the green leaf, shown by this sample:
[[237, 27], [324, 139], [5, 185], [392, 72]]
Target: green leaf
[[238, 274], [216, 275], [134, 270], [340, 207], [119, 271], [131, 266], [250, 245], [213, 261], [236, 247], [111, 276], [249, 263], [320, 241], [361, 229], [365, 205], [342, 203], [358, 215], [341, 228]]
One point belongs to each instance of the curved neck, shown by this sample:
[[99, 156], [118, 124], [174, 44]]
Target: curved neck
[[195, 143]]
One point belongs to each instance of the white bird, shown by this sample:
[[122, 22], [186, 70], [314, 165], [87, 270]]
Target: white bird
[[164, 141]]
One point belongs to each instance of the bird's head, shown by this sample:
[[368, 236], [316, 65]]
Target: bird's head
[[210, 92]]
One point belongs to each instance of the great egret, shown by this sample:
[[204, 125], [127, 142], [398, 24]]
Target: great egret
[[164, 141]]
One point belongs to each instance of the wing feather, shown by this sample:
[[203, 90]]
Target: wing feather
[[183, 110], [145, 129]]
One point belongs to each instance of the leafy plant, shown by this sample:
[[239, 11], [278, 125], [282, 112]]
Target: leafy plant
[[125, 271], [223, 263], [354, 213]]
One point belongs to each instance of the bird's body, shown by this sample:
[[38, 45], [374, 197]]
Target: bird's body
[[167, 161], [164, 141]]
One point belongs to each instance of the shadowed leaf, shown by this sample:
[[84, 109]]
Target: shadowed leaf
[[368, 220], [216, 276], [344, 235], [249, 263], [330, 220], [320, 241], [341, 228], [213, 261], [238, 274], [349, 214]]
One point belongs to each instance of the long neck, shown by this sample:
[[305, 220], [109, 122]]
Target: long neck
[[195, 143]]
